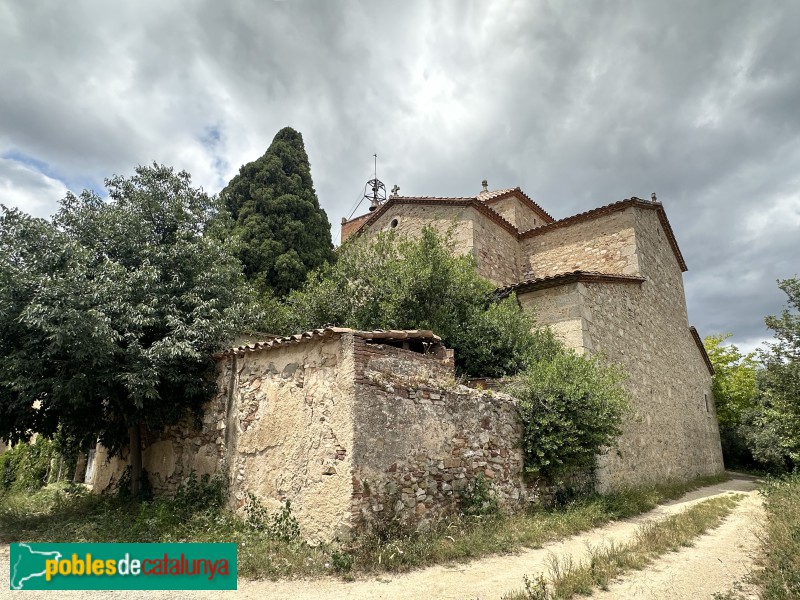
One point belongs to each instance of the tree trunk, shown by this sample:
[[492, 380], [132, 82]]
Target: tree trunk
[[136, 460]]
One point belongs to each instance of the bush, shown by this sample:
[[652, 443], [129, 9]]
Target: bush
[[390, 282], [26, 466], [571, 408]]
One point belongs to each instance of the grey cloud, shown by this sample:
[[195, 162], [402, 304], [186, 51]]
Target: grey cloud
[[580, 105]]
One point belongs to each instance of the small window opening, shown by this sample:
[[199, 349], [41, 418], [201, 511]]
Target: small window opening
[[394, 223], [705, 399]]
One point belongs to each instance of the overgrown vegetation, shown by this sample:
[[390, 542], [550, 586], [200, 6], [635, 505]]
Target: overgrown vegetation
[[571, 405], [758, 395], [780, 577], [572, 408], [65, 513], [109, 313], [568, 579]]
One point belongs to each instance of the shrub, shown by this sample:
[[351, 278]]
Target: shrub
[[25, 466], [571, 408]]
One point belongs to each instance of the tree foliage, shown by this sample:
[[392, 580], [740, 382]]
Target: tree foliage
[[116, 307], [572, 408], [779, 380], [284, 233], [390, 282], [734, 382]]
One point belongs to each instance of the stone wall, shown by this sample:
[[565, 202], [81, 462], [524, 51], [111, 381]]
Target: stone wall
[[669, 433], [291, 433], [606, 244], [516, 212], [410, 219], [496, 251], [560, 308], [421, 440]]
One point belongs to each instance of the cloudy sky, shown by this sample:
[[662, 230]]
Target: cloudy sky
[[580, 104]]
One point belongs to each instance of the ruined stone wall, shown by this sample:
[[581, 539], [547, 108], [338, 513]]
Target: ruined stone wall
[[421, 440], [291, 433], [170, 456], [669, 433], [560, 308], [496, 251], [412, 219], [606, 244]]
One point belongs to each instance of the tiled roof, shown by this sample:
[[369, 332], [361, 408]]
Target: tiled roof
[[436, 201], [330, 332], [479, 202], [611, 208], [565, 278], [496, 195], [702, 349]]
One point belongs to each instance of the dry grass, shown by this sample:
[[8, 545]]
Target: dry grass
[[66, 514], [568, 578]]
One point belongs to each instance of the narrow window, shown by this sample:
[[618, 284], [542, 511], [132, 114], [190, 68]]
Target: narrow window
[[705, 399]]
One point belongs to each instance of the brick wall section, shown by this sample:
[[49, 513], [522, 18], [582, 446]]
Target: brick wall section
[[606, 244], [421, 440]]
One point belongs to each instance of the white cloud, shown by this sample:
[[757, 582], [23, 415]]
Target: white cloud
[[29, 190]]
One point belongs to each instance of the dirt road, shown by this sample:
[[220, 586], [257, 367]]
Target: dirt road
[[491, 577]]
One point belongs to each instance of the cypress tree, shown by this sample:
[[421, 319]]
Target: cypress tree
[[284, 232]]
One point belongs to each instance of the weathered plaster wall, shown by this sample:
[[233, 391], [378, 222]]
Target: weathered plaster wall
[[291, 433], [606, 244], [171, 455], [420, 441], [669, 433], [560, 308]]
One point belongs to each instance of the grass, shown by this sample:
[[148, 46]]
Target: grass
[[654, 538], [67, 513], [780, 577]]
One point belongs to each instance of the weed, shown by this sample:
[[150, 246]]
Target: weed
[[479, 498]]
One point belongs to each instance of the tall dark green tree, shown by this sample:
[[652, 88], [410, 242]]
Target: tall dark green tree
[[111, 312], [283, 231]]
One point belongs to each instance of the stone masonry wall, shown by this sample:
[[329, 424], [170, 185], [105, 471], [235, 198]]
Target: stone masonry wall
[[421, 440], [291, 433], [519, 214], [669, 433], [496, 251], [412, 219], [606, 244], [560, 308], [170, 456]]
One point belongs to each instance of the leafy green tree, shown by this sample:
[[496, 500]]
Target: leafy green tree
[[572, 408], [277, 215], [389, 282], [734, 382], [779, 380], [120, 305]]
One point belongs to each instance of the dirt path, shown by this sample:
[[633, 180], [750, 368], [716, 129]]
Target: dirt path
[[486, 578], [712, 564]]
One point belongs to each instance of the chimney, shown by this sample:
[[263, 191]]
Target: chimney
[[485, 185]]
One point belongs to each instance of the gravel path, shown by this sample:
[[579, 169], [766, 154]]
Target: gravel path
[[487, 578]]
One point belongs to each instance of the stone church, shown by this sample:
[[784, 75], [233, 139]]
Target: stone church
[[358, 426], [606, 281]]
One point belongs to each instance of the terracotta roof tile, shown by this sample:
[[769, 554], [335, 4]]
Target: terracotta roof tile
[[702, 349], [565, 278], [330, 332]]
